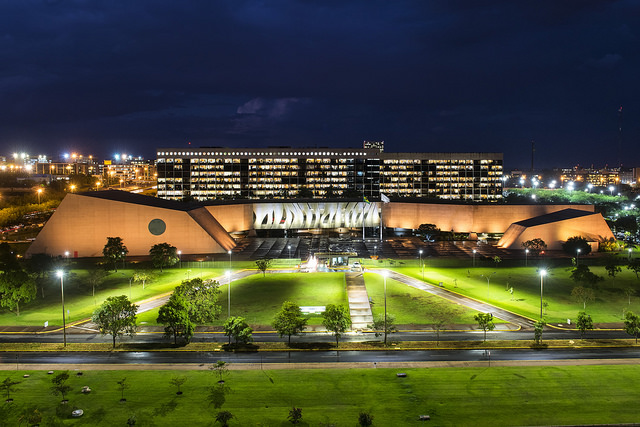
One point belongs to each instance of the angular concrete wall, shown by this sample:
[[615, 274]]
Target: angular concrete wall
[[494, 218], [81, 225]]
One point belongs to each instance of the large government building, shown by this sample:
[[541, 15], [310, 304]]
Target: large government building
[[285, 172]]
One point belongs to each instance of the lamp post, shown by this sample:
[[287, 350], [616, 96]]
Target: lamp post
[[526, 253], [60, 274], [123, 259], [180, 258], [39, 191], [629, 254], [488, 277], [421, 265], [375, 250], [611, 188], [289, 247], [474, 258], [577, 256], [229, 293], [229, 252], [542, 274]]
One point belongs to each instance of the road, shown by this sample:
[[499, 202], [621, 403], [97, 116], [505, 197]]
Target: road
[[180, 358]]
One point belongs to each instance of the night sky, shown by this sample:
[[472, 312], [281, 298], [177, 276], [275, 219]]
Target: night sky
[[105, 77]]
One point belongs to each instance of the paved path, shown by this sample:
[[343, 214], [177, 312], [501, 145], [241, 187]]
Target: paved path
[[510, 317], [359, 307]]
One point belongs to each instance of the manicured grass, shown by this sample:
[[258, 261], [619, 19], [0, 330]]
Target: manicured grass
[[259, 298], [610, 299], [77, 295], [480, 396], [410, 305]]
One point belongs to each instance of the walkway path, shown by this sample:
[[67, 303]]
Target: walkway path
[[359, 307]]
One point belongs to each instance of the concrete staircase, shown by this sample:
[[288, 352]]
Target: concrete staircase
[[359, 307]]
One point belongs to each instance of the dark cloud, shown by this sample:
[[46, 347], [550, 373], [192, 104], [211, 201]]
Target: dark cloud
[[442, 75]]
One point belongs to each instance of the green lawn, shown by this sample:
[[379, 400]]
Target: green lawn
[[78, 300], [607, 307], [410, 305], [496, 396], [258, 298]]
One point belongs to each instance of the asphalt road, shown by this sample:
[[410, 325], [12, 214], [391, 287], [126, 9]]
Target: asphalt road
[[178, 358]]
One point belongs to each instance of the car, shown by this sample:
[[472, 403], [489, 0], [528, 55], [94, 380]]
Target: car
[[356, 264]]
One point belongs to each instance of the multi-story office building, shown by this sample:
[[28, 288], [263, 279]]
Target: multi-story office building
[[282, 172]]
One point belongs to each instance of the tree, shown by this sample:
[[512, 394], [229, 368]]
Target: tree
[[175, 316], [441, 317], [114, 250], [485, 322], [8, 258], [632, 324], [177, 382], [295, 415], [289, 320], [538, 328], [143, 276], [382, 326], [365, 419], [223, 417], [574, 243], [428, 231], [336, 319], [263, 264], [16, 287], [634, 265], [60, 385], [582, 274], [201, 299], [40, 265], [612, 269], [629, 292], [7, 386], [163, 255], [535, 246], [584, 323], [95, 279], [116, 316], [582, 294], [122, 386], [221, 369], [237, 327]]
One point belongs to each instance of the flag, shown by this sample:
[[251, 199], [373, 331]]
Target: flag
[[364, 199], [384, 198]]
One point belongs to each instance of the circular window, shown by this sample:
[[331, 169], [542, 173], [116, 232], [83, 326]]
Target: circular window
[[157, 227]]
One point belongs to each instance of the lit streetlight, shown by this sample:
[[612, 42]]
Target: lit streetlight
[[229, 252], [39, 191], [578, 256], [421, 265], [629, 254], [289, 247], [180, 258], [474, 258], [60, 274], [526, 253], [542, 274], [611, 188], [375, 250]]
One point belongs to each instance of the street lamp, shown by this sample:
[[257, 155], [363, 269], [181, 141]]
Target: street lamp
[[39, 191], [180, 258], [60, 274], [289, 247], [421, 265], [611, 188], [577, 256], [375, 250], [488, 277], [629, 254], [526, 252], [229, 293], [229, 252], [474, 258], [542, 274]]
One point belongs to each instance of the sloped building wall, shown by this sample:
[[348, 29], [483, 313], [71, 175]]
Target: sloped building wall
[[82, 224]]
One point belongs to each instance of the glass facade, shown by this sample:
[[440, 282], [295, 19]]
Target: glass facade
[[217, 173]]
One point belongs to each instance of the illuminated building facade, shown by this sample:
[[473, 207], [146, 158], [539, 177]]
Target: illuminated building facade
[[282, 172]]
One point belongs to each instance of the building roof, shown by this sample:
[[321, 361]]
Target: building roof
[[549, 218], [139, 199]]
